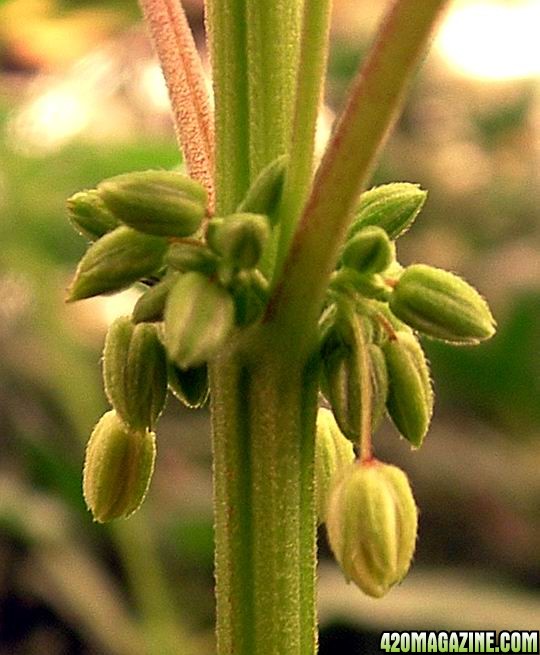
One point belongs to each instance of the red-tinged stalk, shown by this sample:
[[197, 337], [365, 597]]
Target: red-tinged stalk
[[183, 72]]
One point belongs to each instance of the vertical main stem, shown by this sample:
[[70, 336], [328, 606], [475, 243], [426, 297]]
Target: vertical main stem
[[263, 422]]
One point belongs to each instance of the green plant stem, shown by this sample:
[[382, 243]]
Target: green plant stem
[[226, 23], [309, 92], [371, 111], [263, 412]]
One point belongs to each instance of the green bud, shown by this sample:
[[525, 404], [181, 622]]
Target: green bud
[[369, 250], [264, 194], [150, 306], [367, 285], [410, 395], [189, 385], [372, 523], [89, 214], [342, 381], [239, 238], [116, 261], [393, 207], [135, 372], [118, 467], [379, 381], [441, 305], [333, 453], [199, 316], [250, 292], [163, 203], [187, 256]]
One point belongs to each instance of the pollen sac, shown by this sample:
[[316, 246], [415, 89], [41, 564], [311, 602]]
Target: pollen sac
[[189, 386], [196, 256], [368, 251], [333, 453], [239, 238], [342, 382], [150, 306], [392, 207], [135, 372], [89, 214], [264, 194], [162, 203], [441, 305], [199, 317], [372, 524], [118, 467], [410, 395], [116, 261]]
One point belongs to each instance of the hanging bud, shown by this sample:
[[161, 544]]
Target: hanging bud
[[150, 306], [118, 467], [369, 250], [199, 316], [89, 215], [372, 523], [116, 261], [264, 194], [189, 385], [163, 203], [393, 207], [135, 372], [239, 238], [342, 380], [191, 256], [333, 453], [410, 395], [441, 305]]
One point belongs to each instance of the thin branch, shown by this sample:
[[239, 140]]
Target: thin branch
[[371, 111], [183, 72]]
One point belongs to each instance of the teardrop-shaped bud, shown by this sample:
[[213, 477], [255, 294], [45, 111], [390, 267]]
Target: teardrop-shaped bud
[[150, 306], [372, 523], [89, 215], [410, 395], [264, 194], [393, 207], [369, 250], [333, 453], [191, 256], [116, 261], [135, 372], [342, 381], [118, 467], [199, 316], [189, 385], [441, 305], [163, 203], [239, 238]]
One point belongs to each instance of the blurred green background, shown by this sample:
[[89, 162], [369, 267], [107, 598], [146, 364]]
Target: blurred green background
[[81, 98]]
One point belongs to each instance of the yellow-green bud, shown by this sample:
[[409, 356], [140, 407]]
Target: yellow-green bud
[[264, 194], [372, 523], [118, 467], [150, 306], [135, 372], [369, 250], [239, 238], [186, 257], [393, 207], [89, 214], [116, 261], [163, 203], [199, 316], [410, 395], [189, 385], [441, 305], [333, 453]]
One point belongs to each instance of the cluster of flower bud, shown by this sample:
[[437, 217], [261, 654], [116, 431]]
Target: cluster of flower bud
[[200, 281]]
